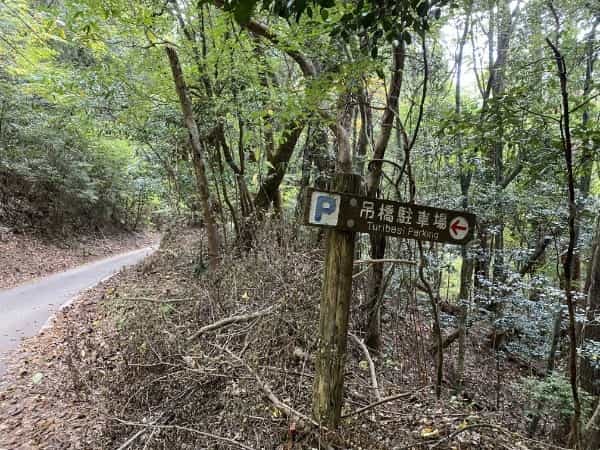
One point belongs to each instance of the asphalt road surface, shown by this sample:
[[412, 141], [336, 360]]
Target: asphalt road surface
[[25, 309]]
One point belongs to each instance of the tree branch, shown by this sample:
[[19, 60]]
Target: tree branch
[[365, 350], [388, 260], [382, 401], [229, 320]]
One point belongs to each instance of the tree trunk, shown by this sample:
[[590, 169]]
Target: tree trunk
[[466, 277], [569, 258], [495, 87], [497, 82], [366, 130], [466, 268], [482, 261], [197, 158], [588, 148], [334, 311], [375, 294], [372, 320], [591, 432], [589, 376], [269, 188]]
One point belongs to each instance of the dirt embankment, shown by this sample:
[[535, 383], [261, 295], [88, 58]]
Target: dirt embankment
[[24, 257]]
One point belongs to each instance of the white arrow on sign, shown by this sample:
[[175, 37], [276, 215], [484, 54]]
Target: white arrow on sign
[[459, 227]]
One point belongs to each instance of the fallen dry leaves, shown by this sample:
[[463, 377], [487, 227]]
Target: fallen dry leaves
[[118, 359], [35, 409], [24, 257]]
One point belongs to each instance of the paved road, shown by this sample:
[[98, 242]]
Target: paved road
[[26, 308]]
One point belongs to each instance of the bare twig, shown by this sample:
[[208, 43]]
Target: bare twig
[[189, 430], [386, 260], [391, 398], [446, 342], [288, 410], [229, 320], [132, 439], [154, 300], [365, 350], [362, 272]]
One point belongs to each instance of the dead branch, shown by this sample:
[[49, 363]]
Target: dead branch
[[189, 430], [447, 341], [365, 350], [450, 308], [386, 260], [154, 300], [288, 410], [536, 256], [391, 398], [362, 272], [229, 320], [523, 363], [132, 439]]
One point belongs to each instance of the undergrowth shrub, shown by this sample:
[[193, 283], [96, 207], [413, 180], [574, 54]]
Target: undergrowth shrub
[[160, 366], [552, 398]]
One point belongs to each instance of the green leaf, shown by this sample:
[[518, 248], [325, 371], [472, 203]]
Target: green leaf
[[243, 11]]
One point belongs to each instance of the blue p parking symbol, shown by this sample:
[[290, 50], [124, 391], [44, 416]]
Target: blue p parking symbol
[[324, 208], [325, 205]]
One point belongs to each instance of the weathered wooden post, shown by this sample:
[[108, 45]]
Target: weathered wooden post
[[328, 393], [345, 213]]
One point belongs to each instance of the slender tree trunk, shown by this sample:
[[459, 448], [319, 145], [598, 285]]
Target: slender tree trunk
[[269, 188], [197, 158], [372, 325], [466, 268], [482, 261], [464, 294], [497, 88], [568, 263], [437, 330], [590, 375], [305, 171], [502, 21], [366, 130], [588, 149], [591, 432], [375, 294]]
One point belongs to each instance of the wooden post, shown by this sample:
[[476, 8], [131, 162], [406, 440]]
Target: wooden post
[[333, 324]]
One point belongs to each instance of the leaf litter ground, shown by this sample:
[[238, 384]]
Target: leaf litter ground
[[27, 256], [126, 367]]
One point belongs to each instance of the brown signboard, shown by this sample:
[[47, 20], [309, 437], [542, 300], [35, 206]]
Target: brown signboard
[[368, 215]]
